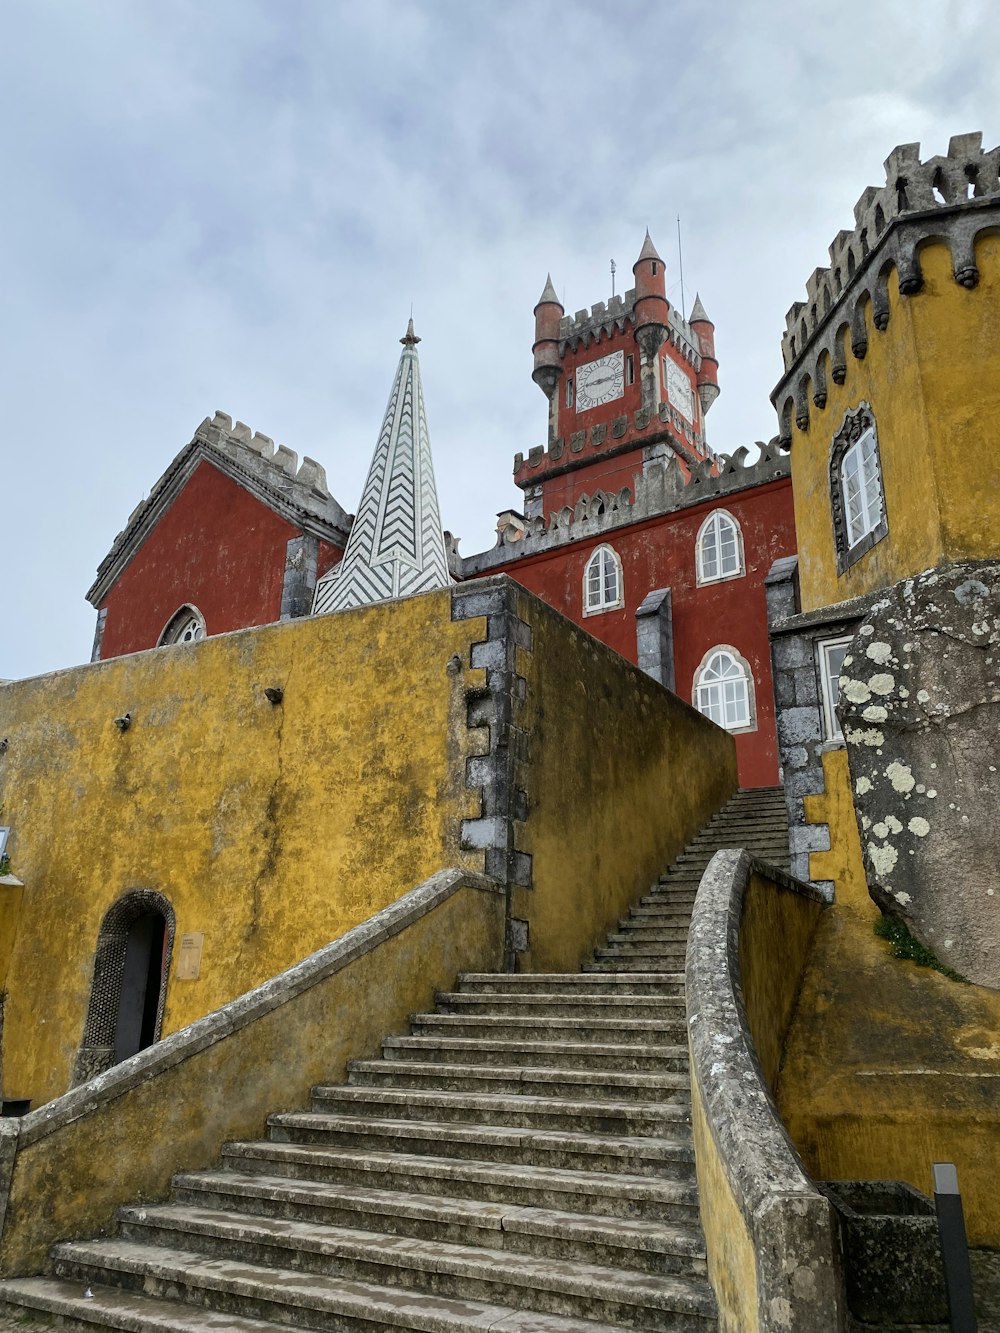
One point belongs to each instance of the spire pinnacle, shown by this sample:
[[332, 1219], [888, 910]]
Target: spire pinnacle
[[698, 312], [648, 250], [548, 296], [396, 547]]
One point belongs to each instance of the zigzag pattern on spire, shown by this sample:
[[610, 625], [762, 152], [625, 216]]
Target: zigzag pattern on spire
[[396, 546]]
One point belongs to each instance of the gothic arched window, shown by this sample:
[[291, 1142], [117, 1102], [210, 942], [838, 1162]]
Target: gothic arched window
[[719, 548], [185, 626], [857, 498], [724, 689], [603, 589]]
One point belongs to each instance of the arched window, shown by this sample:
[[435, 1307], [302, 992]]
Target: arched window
[[724, 689], [185, 626], [856, 495], [127, 994], [602, 582], [719, 548]]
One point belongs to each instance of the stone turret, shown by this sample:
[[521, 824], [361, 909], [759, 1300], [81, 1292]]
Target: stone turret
[[708, 372], [652, 316], [548, 364]]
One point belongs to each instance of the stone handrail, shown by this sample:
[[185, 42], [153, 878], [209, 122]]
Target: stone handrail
[[65, 1167], [773, 1249]]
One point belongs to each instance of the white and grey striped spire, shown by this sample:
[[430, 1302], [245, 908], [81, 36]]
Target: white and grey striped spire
[[396, 546]]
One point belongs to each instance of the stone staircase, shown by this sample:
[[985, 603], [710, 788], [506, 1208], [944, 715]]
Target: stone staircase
[[521, 1163]]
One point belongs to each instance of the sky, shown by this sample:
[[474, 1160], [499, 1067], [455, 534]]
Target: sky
[[233, 204]]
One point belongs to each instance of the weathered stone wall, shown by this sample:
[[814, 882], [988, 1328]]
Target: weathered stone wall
[[920, 708], [172, 1106], [773, 1252]]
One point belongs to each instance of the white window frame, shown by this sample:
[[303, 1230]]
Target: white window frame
[[714, 523], [860, 523], [182, 618], [601, 603], [830, 685], [699, 685], [861, 461]]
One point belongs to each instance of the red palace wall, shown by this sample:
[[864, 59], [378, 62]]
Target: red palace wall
[[661, 554], [216, 547]]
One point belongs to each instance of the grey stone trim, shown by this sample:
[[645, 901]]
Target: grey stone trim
[[88, 1098], [798, 700], [297, 492], [102, 620], [654, 632], [792, 1224], [919, 199], [498, 776], [660, 488], [299, 581], [854, 425]]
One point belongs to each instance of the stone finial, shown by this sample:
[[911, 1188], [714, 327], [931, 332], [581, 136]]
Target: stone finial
[[548, 296], [409, 339], [698, 314]]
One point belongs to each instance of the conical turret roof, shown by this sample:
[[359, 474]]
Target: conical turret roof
[[548, 295], [648, 250], [396, 547], [698, 312]]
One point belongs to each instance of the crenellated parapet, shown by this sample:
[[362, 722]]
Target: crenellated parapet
[[604, 318], [666, 484], [296, 490], [951, 199], [625, 432], [304, 482]]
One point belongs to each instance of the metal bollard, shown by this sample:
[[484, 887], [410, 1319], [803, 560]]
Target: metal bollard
[[954, 1248]]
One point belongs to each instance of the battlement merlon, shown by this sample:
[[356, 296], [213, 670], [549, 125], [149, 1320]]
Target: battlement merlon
[[274, 474], [661, 487], [604, 317], [968, 176], [626, 432]]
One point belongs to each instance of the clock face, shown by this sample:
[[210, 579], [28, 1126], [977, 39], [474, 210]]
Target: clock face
[[679, 390], [600, 381]]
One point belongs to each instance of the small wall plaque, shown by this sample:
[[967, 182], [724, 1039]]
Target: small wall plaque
[[189, 959]]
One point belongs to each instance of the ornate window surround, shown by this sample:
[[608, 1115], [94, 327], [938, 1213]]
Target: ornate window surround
[[748, 677], [855, 424], [715, 520], [184, 616], [594, 608]]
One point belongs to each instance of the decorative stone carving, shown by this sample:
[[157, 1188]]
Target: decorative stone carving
[[920, 710]]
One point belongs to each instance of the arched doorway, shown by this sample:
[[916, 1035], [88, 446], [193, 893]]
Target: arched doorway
[[131, 966]]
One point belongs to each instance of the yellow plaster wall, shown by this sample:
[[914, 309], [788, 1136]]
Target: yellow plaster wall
[[888, 1067], [61, 1186], [620, 775], [932, 379], [732, 1263], [272, 830]]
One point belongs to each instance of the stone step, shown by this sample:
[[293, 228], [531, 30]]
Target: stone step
[[624, 1242], [458, 1272], [622, 1194], [231, 1287], [115, 1308], [639, 1154], [619, 964], [633, 933], [600, 1084], [660, 1056], [514, 1027], [519, 1110], [623, 1008], [529, 983], [667, 950], [319, 1300]]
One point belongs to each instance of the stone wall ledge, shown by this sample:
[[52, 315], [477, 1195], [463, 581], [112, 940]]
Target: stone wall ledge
[[89, 1097], [790, 1223]]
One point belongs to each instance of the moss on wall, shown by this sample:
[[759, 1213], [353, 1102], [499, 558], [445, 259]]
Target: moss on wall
[[620, 775], [932, 381], [889, 1067], [271, 829]]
